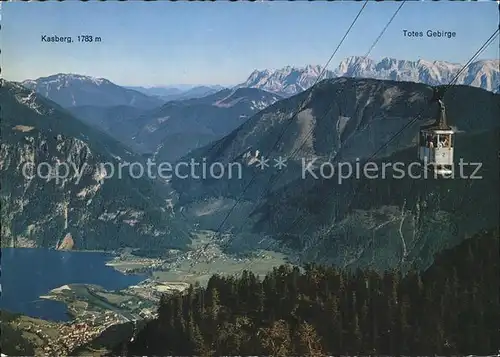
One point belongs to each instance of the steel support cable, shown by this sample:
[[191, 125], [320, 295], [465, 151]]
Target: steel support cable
[[484, 46], [300, 108], [356, 66], [455, 78], [310, 132]]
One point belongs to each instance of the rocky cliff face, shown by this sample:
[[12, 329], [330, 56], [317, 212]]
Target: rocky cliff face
[[359, 221], [54, 183], [286, 81], [67, 243]]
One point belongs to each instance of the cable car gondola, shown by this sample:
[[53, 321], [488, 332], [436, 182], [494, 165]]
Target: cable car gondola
[[436, 143]]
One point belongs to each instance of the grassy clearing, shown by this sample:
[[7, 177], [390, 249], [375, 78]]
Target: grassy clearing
[[202, 271]]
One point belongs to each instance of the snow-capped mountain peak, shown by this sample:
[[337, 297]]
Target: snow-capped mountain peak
[[291, 80], [286, 81], [66, 79], [256, 99]]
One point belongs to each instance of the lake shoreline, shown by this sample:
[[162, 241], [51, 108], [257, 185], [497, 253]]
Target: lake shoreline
[[114, 252], [45, 269]]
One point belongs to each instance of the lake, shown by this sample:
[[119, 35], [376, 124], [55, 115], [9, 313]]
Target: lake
[[28, 273]]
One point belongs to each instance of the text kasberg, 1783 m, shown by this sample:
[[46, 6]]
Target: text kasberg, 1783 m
[[69, 39], [46, 38]]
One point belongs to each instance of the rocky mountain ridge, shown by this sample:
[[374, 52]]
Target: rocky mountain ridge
[[173, 93], [71, 90], [292, 80], [181, 126]]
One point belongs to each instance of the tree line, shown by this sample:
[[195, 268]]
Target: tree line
[[450, 309]]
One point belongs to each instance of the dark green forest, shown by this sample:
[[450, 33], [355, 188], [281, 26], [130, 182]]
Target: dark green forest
[[450, 309]]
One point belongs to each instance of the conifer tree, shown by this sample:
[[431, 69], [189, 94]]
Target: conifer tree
[[309, 342]]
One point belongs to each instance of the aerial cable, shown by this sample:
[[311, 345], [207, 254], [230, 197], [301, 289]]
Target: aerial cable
[[455, 78], [452, 82], [356, 66], [358, 62], [300, 108]]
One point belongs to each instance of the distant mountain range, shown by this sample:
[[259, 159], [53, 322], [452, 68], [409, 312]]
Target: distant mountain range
[[182, 93], [286, 81], [289, 80], [181, 126], [177, 127], [71, 90], [168, 121], [158, 91]]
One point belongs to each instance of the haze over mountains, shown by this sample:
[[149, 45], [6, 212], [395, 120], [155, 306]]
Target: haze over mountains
[[179, 92], [177, 127], [181, 126]]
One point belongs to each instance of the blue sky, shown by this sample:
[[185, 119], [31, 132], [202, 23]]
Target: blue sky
[[164, 43]]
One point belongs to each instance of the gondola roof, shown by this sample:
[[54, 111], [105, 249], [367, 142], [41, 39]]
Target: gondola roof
[[441, 122]]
